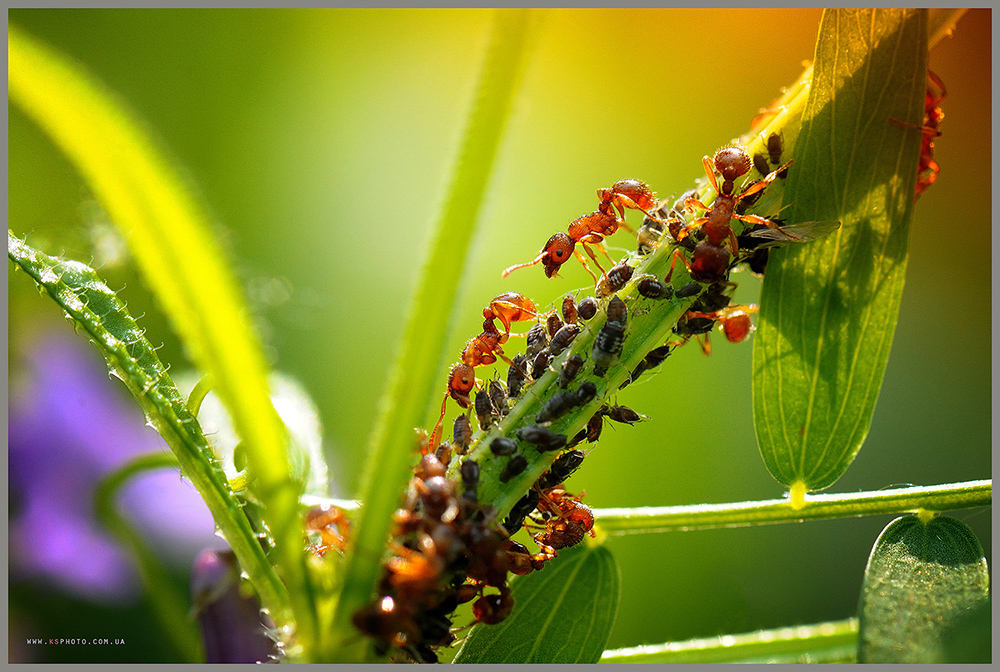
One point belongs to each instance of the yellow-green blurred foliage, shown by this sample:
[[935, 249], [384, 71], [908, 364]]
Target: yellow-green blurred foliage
[[322, 141]]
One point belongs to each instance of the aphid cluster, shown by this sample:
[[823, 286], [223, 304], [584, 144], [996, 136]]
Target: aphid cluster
[[448, 548]]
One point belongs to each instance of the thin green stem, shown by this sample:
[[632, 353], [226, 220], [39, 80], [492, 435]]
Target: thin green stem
[[933, 498], [831, 642], [170, 605]]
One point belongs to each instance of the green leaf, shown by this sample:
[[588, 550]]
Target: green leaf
[[829, 309], [920, 579], [562, 614], [167, 231], [970, 637], [95, 309]]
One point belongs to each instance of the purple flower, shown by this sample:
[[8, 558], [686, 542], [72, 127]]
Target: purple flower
[[233, 629], [70, 425]]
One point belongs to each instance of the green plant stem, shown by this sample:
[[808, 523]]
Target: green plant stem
[[169, 604], [834, 641], [933, 498]]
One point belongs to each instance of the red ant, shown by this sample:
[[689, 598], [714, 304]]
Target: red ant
[[592, 229], [483, 350], [734, 322], [710, 258], [333, 527], [567, 522], [927, 168]]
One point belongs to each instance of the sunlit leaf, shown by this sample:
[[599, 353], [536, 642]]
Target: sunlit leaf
[[829, 308], [562, 614], [921, 578]]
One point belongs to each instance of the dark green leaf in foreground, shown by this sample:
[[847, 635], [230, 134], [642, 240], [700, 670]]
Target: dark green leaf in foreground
[[562, 614], [829, 308], [921, 578]]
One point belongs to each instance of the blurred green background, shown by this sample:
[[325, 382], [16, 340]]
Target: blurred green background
[[322, 140]]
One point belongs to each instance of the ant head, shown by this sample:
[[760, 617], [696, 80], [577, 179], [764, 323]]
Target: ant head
[[732, 162], [557, 252]]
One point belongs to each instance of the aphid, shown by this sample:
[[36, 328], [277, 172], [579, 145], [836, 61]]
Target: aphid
[[569, 310], [484, 410], [515, 379], [540, 364], [623, 414], [760, 163], [503, 446], [594, 426], [775, 145], [651, 288], [586, 393], [520, 510], [563, 338], [514, 467], [553, 324], [570, 368], [587, 308], [592, 432], [543, 438], [462, 433], [614, 280], [561, 469], [607, 346], [498, 397], [688, 290], [710, 258], [470, 474], [557, 406], [652, 359], [617, 310], [537, 340]]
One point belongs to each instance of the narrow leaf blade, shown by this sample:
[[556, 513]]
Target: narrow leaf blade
[[921, 577], [563, 614], [829, 309]]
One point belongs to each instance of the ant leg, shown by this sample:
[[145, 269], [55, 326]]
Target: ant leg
[[683, 233], [759, 186], [688, 202], [680, 255], [435, 438], [594, 257], [583, 261], [710, 171], [706, 347]]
